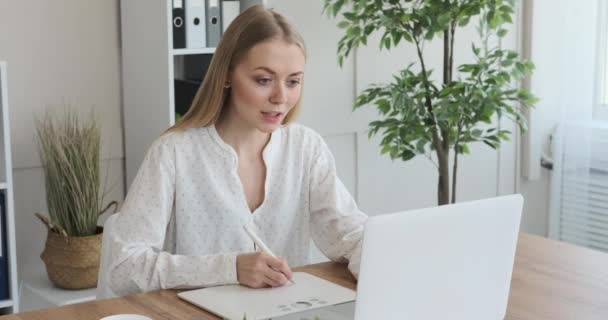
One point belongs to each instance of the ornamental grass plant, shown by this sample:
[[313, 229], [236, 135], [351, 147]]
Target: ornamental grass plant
[[69, 149]]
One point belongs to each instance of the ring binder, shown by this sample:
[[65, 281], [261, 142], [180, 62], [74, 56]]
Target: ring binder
[[230, 9], [4, 272], [195, 24], [212, 9], [179, 29]]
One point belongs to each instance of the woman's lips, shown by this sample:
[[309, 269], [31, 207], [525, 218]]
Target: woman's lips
[[272, 116]]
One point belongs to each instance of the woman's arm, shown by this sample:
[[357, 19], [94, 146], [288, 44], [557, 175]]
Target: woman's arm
[[336, 222], [138, 262]]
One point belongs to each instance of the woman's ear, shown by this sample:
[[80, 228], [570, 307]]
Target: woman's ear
[[228, 82]]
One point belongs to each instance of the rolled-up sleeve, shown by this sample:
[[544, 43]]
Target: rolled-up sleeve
[[138, 262], [336, 221]]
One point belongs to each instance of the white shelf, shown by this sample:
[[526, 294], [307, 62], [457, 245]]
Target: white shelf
[[6, 303], [6, 185], [38, 292], [183, 52]]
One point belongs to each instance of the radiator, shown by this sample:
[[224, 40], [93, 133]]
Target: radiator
[[578, 211]]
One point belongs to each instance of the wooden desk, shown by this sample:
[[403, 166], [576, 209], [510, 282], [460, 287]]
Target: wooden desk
[[551, 280]]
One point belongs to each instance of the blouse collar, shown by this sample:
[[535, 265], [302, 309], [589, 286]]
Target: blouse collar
[[267, 154]]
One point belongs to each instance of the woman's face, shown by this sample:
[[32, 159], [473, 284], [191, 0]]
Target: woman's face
[[266, 84]]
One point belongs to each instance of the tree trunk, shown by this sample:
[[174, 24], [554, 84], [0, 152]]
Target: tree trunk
[[454, 172], [443, 185]]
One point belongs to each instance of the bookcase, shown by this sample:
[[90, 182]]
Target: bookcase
[[150, 67], [9, 296]]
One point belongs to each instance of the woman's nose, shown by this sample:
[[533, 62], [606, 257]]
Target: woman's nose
[[279, 94]]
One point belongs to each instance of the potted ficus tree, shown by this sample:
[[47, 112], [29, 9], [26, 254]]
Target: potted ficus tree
[[69, 149], [420, 115]]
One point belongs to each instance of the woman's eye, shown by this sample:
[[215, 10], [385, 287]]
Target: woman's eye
[[294, 82], [263, 81]]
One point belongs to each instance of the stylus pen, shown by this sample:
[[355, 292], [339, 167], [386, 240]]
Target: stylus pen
[[258, 242]]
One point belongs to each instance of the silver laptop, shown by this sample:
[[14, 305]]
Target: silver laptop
[[448, 262]]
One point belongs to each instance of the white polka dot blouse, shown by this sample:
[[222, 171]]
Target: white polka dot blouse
[[180, 225]]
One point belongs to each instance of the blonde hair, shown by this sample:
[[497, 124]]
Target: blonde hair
[[254, 25]]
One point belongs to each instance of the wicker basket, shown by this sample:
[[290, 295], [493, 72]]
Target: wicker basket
[[72, 262]]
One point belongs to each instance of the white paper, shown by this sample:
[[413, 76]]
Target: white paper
[[234, 301]]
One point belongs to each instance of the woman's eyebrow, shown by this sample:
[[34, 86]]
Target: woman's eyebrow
[[272, 72]]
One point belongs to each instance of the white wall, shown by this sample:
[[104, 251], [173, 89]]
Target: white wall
[[535, 181], [58, 51], [562, 46]]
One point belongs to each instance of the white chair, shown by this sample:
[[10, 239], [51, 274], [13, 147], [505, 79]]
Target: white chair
[[103, 284]]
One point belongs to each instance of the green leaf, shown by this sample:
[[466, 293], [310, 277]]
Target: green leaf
[[463, 22], [383, 105], [343, 24], [443, 19], [394, 153], [337, 6], [353, 31], [396, 37], [408, 37], [475, 49], [350, 16], [407, 155], [387, 43], [388, 138], [420, 144], [491, 144], [385, 149], [462, 149], [506, 63]]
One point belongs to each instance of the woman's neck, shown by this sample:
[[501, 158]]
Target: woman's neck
[[247, 141]]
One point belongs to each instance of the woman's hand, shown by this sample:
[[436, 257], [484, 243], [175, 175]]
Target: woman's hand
[[259, 270]]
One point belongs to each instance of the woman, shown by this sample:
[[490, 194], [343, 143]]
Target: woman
[[235, 160]]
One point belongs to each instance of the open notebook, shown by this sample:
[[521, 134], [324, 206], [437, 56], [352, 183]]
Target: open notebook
[[235, 301]]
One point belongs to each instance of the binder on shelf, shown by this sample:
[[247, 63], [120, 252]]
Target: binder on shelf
[[230, 9], [214, 23], [195, 24], [195, 66], [179, 27], [185, 90], [3, 237], [4, 274], [188, 78]]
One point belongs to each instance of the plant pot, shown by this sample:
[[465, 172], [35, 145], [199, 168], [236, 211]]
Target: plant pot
[[72, 262]]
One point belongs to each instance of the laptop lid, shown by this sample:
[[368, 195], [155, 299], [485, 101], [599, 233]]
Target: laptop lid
[[447, 262]]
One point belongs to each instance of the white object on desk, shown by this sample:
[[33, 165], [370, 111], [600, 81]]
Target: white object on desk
[[126, 317], [452, 262], [235, 301]]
